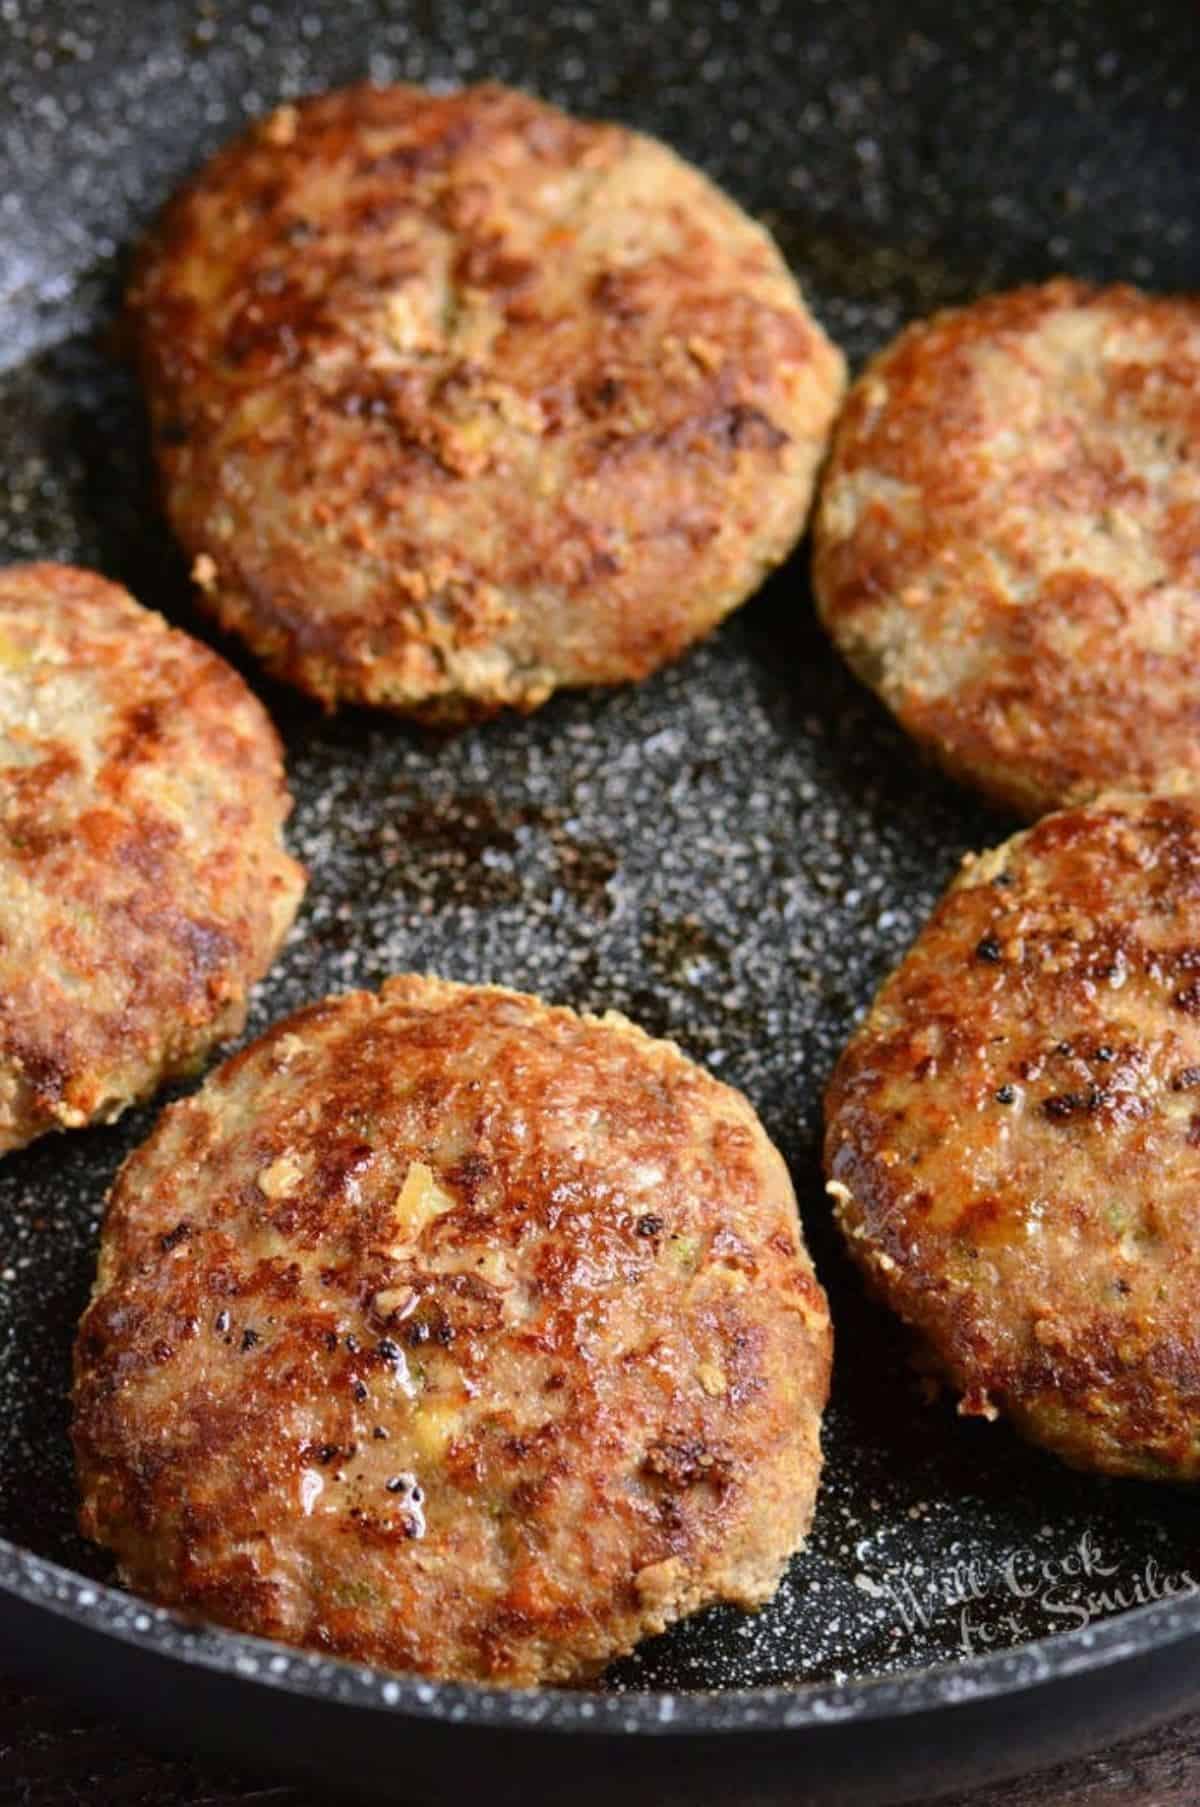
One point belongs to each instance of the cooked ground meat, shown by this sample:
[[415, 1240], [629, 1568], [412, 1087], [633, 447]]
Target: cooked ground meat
[[144, 886], [1006, 542], [458, 399], [448, 1331], [1014, 1135]]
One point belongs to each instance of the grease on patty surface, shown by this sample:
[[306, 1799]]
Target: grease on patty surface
[[449, 1331], [1013, 1134], [143, 882], [1005, 545], [458, 399]]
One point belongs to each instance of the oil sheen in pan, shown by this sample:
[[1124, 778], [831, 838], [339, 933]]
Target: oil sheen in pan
[[733, 854]]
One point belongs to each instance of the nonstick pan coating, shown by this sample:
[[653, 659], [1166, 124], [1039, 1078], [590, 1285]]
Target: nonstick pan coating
[[733, 853]]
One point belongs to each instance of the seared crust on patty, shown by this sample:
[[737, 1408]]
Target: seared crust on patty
[[456, 1333], [1013, 1135], [458, 399], [143, 882], [1006, 541]]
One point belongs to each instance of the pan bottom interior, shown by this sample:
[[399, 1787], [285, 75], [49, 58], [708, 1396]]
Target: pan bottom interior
[[733, 854]]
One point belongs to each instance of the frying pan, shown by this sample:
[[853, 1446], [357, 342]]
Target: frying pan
[[733, 853]]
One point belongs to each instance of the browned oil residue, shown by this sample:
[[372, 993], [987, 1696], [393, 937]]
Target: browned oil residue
[[444, 850]]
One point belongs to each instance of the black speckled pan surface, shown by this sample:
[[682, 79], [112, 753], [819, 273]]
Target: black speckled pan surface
[[733, 854]]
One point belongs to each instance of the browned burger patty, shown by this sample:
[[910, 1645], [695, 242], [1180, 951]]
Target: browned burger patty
[[1006, 542], [456, 1333], [458, 399], [143, 882], [1013, 1135]]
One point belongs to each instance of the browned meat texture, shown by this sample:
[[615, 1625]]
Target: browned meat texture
[[1014, 1135], [458, 399], [1008, 533], [143, 882], [456, 1333]]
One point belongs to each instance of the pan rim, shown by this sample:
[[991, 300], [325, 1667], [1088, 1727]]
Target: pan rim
[[109, 1612]]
